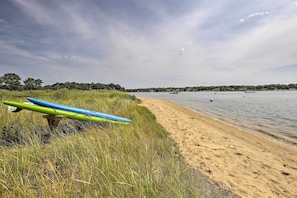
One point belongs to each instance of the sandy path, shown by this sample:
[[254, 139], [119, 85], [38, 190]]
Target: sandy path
[[248, 165]]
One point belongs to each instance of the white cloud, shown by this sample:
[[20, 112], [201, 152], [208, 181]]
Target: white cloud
[[241, 20], [258, 14]]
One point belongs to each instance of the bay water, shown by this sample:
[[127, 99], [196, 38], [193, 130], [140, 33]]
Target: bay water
[[269, 113]]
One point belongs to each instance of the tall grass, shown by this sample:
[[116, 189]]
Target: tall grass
[[110, 160]]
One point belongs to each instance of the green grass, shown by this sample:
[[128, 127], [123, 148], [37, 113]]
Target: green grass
[[110, 160]]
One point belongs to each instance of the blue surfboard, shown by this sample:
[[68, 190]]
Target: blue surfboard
[[77, 110]]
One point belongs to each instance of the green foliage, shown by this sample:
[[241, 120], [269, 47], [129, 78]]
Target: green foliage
[[11, 81], [32, 84]]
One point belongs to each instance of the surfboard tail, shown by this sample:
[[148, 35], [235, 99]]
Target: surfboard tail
[[17, 109]]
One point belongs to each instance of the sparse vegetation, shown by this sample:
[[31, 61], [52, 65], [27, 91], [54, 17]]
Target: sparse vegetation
[[135, 160]]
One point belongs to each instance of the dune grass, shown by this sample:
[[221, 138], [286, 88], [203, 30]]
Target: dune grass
[[106, 160]]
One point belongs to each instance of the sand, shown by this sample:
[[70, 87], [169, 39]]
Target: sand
[[246, 164]]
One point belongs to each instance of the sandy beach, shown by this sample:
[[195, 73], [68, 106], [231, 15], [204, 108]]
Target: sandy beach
[[246, 164]]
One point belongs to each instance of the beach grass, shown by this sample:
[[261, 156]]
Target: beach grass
[[104, 160]]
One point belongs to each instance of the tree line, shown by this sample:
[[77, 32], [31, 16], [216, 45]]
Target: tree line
[[13, 82], [219, 88]]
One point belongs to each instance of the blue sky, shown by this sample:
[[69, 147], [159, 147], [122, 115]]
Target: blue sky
[[156, 43]]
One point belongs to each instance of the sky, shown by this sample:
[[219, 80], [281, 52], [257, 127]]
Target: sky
[[155, 43]]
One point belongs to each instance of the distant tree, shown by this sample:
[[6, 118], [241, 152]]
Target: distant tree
[[1, 81], [32, 84], [292, 86], [98, 86], [29, 84], [57, 86], [68, 85], [85, 86], [12, 81], [38, 83], [115, 87]]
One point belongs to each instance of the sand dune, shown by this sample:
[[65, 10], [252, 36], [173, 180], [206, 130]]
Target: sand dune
[[248, 165]]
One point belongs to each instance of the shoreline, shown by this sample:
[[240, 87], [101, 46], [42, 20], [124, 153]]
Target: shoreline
[[262, 133], [248, 165]]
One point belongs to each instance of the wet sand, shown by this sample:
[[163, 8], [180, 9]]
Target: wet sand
[[248, 165]]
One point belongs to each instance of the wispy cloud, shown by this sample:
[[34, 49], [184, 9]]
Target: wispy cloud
[[257, 14], [35, 10]]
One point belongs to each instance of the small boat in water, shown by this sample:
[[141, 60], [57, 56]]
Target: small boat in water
[[174, 92]]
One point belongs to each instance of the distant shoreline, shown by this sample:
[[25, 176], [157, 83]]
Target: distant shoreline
[[218, 88], [249, 165]]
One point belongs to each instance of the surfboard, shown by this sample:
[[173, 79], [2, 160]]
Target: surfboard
[[52, 111], [77, 110]]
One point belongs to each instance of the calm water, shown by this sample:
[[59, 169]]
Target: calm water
[[271, 113]]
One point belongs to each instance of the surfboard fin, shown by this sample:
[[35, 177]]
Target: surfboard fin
[[17, 110]]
